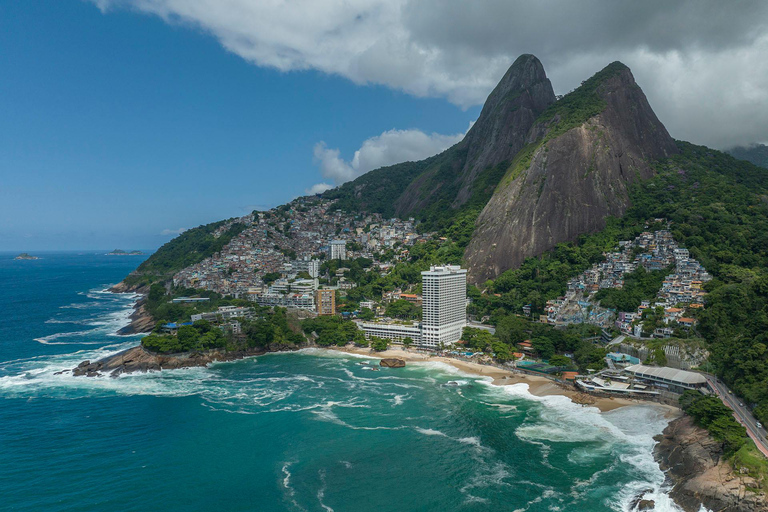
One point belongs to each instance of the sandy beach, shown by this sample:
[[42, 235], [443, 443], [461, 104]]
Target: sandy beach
[[538, 386]]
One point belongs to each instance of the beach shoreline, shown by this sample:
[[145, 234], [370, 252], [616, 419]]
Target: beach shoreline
[[539, 386]]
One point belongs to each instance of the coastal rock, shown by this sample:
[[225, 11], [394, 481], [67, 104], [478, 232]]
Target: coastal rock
[[693, 461], [137, 359], [646, 505], [392, 363], [141, 320], [123, 287]]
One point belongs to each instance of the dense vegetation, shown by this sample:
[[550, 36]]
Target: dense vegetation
[[159, 305], [269, 328], [712, 414], [332, 330], [638, 286], [190, 247], [375, 191], [196, 337], [718, 207]]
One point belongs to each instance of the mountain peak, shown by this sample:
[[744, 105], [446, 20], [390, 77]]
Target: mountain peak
[[513, 106], [583, 154]]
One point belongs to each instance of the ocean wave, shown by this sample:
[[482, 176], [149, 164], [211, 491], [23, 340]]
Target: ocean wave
[[49, 340], [628, 429]]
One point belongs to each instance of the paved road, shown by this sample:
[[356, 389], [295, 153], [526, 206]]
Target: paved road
[[742, 414], [617, 340]]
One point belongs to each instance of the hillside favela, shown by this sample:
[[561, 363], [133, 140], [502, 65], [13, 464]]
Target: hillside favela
[[393, 256]]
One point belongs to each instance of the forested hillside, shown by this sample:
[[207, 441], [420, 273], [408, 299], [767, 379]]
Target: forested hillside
[[718, 207], [188, 248]]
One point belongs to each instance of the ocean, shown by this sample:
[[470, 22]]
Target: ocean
[[305, 431]]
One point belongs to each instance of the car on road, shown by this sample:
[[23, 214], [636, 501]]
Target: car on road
[[741, 404], [759, 425]]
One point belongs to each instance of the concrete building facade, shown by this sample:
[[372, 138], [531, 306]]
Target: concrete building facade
[[338, 250], [326, 302], [444, 313]]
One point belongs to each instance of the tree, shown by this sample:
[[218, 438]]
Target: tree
[[270, 277], [407, 341], [544, 347], [401, 308], [379, 344], [502, 352], [366, 314], [558, 360]]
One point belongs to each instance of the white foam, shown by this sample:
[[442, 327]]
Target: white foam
[[430, 432], [630, 429]]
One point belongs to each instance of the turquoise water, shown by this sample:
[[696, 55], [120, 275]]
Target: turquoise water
[[301, 431]]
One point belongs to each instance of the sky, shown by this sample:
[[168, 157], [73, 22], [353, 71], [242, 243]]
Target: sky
[[123, 122]]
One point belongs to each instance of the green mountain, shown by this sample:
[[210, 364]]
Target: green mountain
[[463, 177], [190, 247], [756, 154]]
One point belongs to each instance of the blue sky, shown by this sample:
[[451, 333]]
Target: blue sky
[[115, 128], [123, 121]]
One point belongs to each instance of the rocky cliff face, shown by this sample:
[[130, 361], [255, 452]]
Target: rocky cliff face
[[574, 180], [692, 459], [498, 134]]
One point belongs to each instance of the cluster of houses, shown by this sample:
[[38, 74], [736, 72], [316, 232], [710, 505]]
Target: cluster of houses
[[290, 242], [681, 291]]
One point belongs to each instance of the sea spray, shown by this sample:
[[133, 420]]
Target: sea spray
[[295, 431]]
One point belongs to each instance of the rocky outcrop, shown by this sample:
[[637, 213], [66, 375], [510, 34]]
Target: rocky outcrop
[[694, 463], [392, 363], [573, 182], [498, 134], [123, 287], [141, 320], [137, 359]]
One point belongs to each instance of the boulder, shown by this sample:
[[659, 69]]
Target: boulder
[[646, 505], [392, 363]]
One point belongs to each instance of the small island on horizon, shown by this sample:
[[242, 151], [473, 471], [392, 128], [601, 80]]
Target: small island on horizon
[[26, 256], [120, 252]]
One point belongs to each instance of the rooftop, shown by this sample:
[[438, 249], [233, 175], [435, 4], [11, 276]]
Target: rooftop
[[669, 374]]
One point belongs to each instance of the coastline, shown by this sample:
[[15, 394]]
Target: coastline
[[537, 385]]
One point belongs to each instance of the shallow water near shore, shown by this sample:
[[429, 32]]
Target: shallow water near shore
[[312, 430]]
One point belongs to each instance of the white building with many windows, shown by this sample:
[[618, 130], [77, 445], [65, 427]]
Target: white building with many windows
[[391, 331], [338, 250], [444, 313]]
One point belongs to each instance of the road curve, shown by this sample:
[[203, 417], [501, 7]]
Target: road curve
[[741, 413]]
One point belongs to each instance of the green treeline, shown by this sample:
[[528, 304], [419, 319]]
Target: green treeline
[[639, 285], [190, 247], [196, 337], [718, 207], [269, 329], [711, 413]]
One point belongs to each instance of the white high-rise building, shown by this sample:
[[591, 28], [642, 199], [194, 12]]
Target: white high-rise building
[[444, 314], [338, 250]]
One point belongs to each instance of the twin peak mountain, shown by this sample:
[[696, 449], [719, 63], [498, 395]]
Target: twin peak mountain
[[532, 172]]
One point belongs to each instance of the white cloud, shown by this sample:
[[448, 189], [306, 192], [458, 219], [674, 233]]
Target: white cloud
[[318, 188], [391, 147], [701, 62], [174, 232]]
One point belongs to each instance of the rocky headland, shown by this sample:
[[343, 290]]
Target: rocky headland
[[694, 463], [141, 320], [138, 359]]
